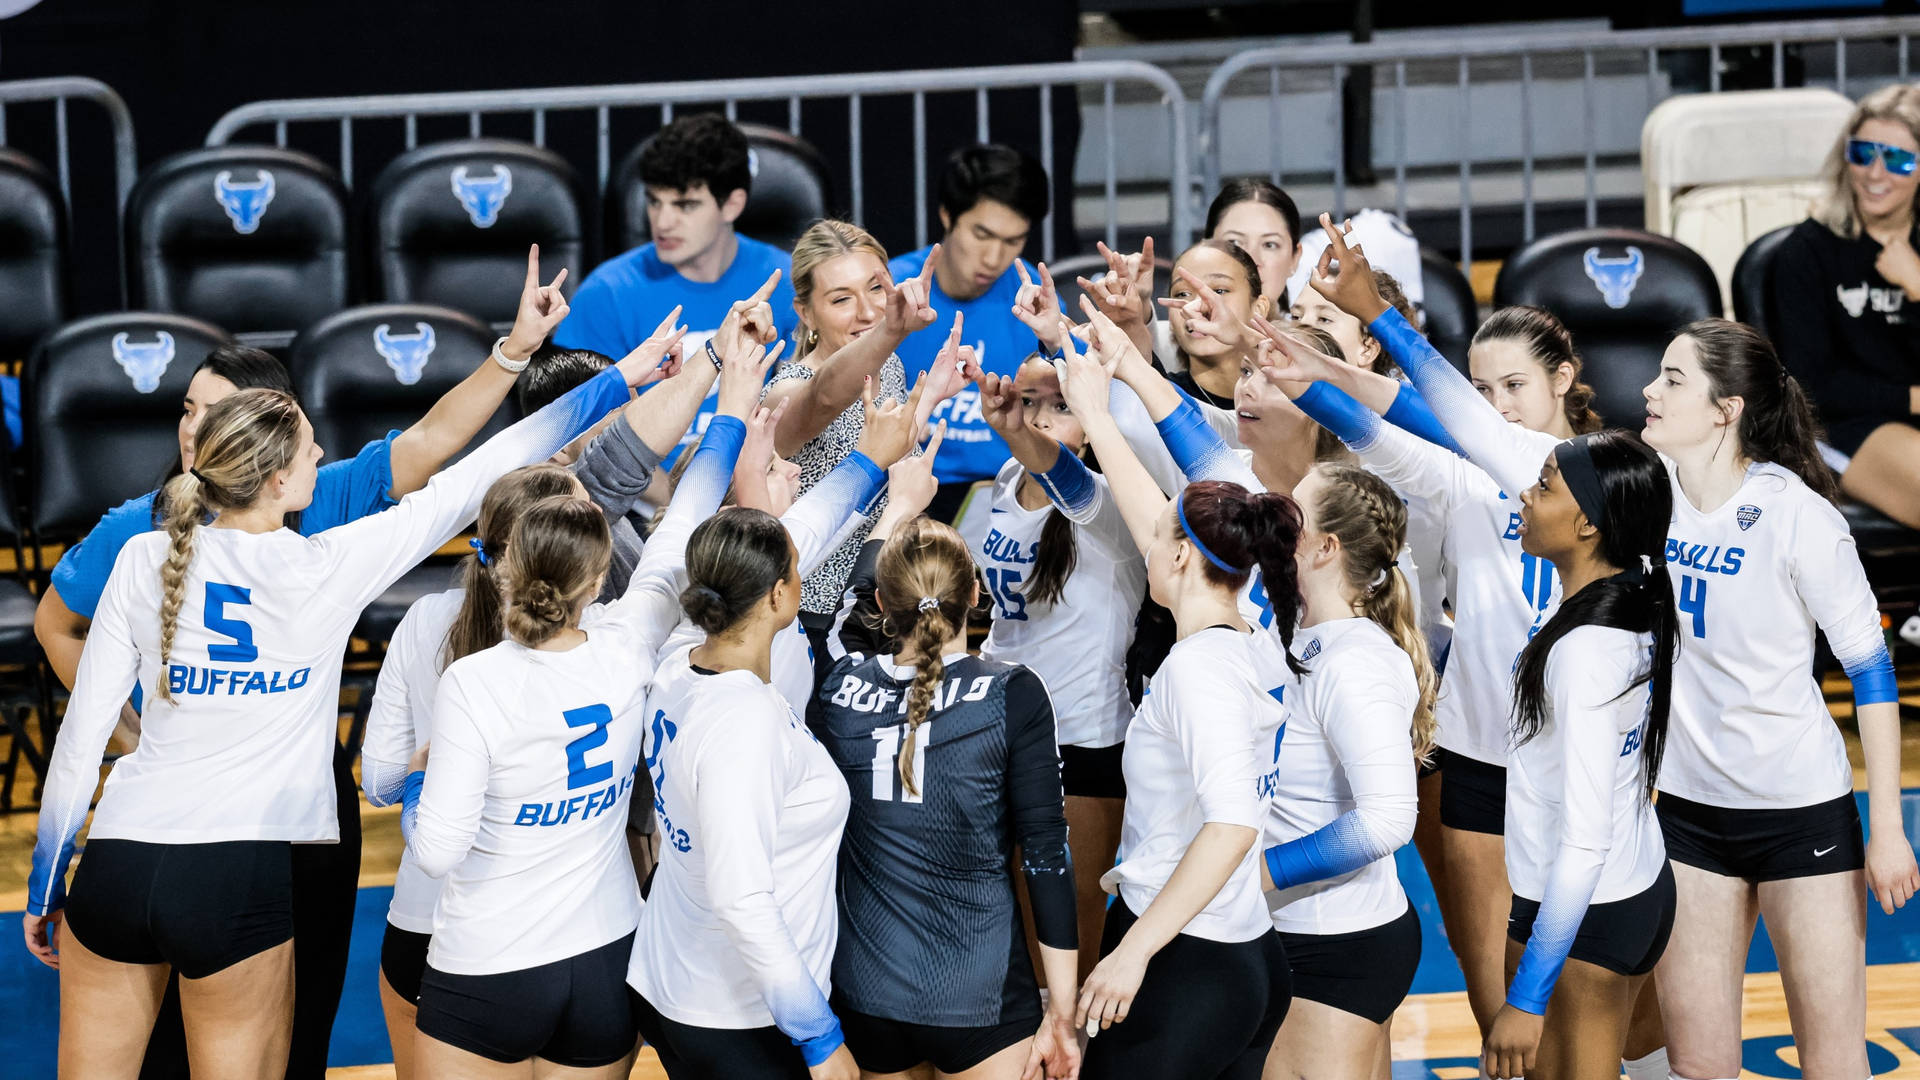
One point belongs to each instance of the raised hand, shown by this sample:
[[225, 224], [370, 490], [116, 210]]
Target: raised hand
[[910, 482], [909, 308], [1345, 277], [749, 322], [1289, 362], [1085, 381], [657, 357], [887, 433], [1109, 344], [541, 309], [1122, 292], [1038, 306], [1204, 312], [743, 377], [950, 371], [1000, 404]]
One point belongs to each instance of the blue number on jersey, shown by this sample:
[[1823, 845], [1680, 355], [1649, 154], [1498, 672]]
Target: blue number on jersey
[[1004, 584], [1693, 600], [579, 773], [1536, 580], [1259, 597], [215, 617]]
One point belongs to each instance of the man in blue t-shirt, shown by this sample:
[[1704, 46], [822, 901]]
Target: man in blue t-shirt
[[697, 172], [991, 198]]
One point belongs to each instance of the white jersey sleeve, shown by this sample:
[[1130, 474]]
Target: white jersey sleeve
[[401, 717], [818, 520], [109, 670], [455, 785], [360, 559]]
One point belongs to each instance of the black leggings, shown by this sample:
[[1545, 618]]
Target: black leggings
[[326, 879], [1205, 1010], [696, 1053]]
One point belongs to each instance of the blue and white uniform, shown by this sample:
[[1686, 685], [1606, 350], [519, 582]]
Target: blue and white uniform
[[739, 930], [1077, 645], [255, 667]]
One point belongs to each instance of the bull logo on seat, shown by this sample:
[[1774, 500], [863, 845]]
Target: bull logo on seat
[[145, 361], [483, 198], [245, 204], [1615, 278], [406, 354]]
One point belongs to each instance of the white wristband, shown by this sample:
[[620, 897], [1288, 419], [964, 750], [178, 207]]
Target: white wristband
[[513, 367]]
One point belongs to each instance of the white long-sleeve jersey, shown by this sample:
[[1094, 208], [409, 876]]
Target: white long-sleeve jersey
[[399, 722], [524, 804], [1078, 645], [1193, 757], [1580, 829], [1753, 577], [739, 929], [244, 749], [1342, 794], [820, 522]]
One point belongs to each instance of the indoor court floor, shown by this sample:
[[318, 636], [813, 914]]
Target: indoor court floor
[[1433, 1033]]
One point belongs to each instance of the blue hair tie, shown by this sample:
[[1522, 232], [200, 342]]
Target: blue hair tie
[[1180, 510], [479, 547]]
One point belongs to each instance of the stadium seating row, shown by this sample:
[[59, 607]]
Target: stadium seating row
[[264, 240]]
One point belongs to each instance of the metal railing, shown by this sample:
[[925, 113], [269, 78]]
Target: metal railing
[[59, 91], [1443, 74], [854, 88]]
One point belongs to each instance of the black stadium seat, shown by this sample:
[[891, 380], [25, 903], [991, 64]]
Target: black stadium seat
[[452, 221], [253, 238], [102, 412], [1752, 276], [1450, 310], [1623, 293], [33, 254], [368, 370], [792, 187]]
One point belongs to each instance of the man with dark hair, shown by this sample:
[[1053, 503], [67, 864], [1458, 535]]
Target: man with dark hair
[[697, 173], [991, 199]]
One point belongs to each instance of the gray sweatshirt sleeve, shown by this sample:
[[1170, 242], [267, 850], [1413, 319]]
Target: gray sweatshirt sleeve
[[615, 468]]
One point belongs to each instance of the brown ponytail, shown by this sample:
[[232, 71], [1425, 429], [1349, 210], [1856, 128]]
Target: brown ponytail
[[243, 440], [1778, 424], [1362, 512], [924, 582], [557, 556], [479, 624]]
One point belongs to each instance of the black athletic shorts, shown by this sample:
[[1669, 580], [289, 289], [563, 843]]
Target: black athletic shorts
[[881, 1045], [1473, 794], [1092, 773], [1764, 845], [1205, 1010], [1624, 936], [1366, 972], [201, 908], [572, 1012], [403, 960], [697, 1053]]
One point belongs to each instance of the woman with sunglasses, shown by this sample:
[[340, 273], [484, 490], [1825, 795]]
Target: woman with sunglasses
[[1842, 303]]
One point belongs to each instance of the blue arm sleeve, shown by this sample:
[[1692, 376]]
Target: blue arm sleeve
[[410, 802], [1410, 412], [1069, 483], [1569, 893], [1873, 681], [1197, 449], [1335, 410], [1341, 846]]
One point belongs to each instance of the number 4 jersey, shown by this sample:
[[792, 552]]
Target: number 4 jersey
[[1752, 578]]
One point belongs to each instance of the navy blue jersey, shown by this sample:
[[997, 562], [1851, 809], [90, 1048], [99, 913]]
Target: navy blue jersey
[[929, 929]]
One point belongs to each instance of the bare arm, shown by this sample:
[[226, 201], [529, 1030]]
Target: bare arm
[[461, 412], [62, 633], [838, 379], [1085, 381]]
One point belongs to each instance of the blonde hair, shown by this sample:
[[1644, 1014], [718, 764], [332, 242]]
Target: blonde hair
[[1899, 103], [557, 556], [243, 440], [924, 582], [479, 624], [1362, 512], [825, 239]]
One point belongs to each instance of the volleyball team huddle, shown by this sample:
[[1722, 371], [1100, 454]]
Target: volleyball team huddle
[[865, 865]]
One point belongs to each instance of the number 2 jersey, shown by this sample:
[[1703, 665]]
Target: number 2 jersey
[[1753, 578], [243, 750], [930, 931]]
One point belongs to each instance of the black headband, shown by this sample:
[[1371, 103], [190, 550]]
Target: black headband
[[1577, 472]]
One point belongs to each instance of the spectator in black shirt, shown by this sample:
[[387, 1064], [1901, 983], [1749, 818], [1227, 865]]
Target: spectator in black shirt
[[1845, 303]]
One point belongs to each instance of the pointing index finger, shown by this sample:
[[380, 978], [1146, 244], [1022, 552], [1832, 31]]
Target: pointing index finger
[[533, 266], [926, 271], [765, 291], [1021, 267]]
